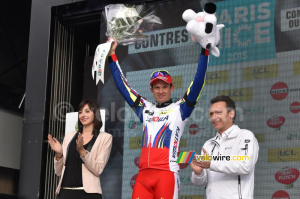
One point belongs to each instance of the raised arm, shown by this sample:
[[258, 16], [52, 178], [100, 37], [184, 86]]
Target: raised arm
[[192, 94], [130, 95]]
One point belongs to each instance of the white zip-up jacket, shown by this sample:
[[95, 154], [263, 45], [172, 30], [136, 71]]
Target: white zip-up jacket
[[230, 179]]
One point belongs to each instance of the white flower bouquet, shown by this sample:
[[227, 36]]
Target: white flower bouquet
[[128, 23]]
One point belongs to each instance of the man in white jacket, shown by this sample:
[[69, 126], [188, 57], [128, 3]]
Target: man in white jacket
[[224, 178]]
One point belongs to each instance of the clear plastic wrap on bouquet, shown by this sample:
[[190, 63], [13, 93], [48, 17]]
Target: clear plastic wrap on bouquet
[[128, 23]]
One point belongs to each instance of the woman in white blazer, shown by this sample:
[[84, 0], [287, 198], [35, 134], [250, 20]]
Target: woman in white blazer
[[83, 155]]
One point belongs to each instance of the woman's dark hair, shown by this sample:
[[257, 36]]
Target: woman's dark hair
[[230, 105], [93, 105]]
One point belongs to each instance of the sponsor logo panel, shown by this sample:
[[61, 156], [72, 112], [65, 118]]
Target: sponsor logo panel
[[134, 124], [281, 194], [186, 181], [260, 72], [295, 107], [284, 155], [177, 81], [183, 143], [260, 137], [240, 94], [217, 77], [135, 142], [193, 129], [293, 136], [296, 68], [133, 179], [276, 122], [250, 110], [137, 161], [287, 175], [280, 90]]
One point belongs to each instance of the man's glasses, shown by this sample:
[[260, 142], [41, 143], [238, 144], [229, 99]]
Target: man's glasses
[[160, 72]]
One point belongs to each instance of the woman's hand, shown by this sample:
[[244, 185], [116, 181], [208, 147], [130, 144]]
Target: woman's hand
[[55, 146], [113, 46]]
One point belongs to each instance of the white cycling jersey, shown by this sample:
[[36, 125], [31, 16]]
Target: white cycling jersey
[[163, 124]]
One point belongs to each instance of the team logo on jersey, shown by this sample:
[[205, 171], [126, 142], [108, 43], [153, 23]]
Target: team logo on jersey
[[176, 141], [148, 112], [157, 119], [166, 112]]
